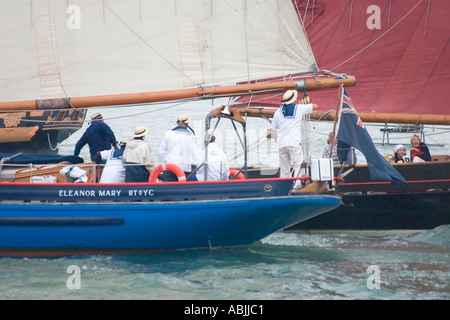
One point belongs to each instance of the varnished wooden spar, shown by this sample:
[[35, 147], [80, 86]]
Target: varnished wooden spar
[[161, 96], [369, 117]]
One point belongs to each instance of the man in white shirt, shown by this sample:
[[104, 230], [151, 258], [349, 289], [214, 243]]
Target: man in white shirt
[[218, 168], [286, 130], [178, 147]]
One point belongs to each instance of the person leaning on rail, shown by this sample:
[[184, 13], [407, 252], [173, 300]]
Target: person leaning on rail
[[98, 136]]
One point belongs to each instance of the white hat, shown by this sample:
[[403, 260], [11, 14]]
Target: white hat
[[289, 97], [182, 118], [397, 147], [140, 131]]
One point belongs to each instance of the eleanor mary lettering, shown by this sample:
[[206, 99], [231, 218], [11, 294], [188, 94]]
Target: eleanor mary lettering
[[106, 193]]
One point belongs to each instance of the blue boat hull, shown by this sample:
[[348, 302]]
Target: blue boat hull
[[82, 228]]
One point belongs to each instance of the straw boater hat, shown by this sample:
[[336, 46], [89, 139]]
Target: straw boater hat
[[140, 131], [289, 97], [96, 116], [182, 118]]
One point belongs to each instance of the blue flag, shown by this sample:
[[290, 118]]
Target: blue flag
[[351, 131]]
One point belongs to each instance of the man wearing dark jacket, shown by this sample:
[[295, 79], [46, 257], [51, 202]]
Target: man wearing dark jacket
[[98, 136]]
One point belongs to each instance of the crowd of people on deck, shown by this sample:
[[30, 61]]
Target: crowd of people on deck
[[131, 160]]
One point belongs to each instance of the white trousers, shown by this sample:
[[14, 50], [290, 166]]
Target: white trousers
[[290, 155]]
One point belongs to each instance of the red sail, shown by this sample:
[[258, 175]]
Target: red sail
[[398, 51]]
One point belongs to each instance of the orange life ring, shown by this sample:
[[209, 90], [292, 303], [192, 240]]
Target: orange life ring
[[166, 167], [233, 173]]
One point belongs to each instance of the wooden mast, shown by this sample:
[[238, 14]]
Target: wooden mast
[[160, 96]]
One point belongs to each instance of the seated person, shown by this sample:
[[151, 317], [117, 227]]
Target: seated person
[[113, 172], [327, 147], [139, 160], [419, 150], [400, 154]]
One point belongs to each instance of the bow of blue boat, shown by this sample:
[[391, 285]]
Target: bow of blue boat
[[82, 228], [66, 218]]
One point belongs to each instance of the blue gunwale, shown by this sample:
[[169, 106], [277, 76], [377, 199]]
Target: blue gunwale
[[132, 192]]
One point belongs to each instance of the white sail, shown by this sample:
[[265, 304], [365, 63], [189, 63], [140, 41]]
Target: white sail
[[55, 48]]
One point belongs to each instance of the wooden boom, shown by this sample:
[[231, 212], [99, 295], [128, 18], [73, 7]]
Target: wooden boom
[[160, 96], [369, 117]]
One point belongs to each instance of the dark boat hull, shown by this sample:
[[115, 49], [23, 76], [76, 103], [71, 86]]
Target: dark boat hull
[[367, 205], [401, 211]]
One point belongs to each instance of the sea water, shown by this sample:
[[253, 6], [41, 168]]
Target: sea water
[[346, 265], [283, 266]]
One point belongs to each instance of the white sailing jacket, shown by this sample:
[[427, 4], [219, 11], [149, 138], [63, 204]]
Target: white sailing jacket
[[137, 151], [114, 171], [178, 147], [217, 165]]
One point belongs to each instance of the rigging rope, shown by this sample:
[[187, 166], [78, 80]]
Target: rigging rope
[[246, 38], [50, 144], [426, 21], [351, 14]]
